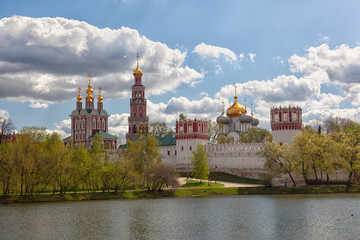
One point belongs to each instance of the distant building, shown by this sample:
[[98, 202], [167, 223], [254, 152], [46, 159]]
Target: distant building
[[87, 122]]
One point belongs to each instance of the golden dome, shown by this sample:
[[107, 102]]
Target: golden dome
[[79, 96], [235, 110], [137, 71], [89, 91], [100, 98]]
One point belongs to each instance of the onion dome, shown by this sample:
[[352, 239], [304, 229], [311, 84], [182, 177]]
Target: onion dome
[[79, 98], [235, 110], [89, 91], [255, 121], [100, 98], [222, 118], [137, 71], [246, 118]]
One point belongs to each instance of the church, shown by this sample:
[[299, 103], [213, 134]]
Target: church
[[89, 121]]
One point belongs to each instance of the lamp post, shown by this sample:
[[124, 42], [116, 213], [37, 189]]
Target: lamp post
[[208, 179], [336, 172]]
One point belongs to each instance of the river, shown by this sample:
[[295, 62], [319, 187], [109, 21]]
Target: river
[[327, 216]]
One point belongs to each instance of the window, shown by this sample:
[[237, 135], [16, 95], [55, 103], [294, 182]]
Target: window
[[168, 153], [190, 148], [182, 148], [94, 123], [175, 152]]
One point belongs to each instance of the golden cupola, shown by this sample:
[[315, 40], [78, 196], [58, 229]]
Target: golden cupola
[[79, 97], [100, 98], [137, 71], [89, 91], [235, 110]]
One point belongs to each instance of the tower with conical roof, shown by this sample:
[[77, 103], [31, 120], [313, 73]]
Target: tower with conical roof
[[138, 121]]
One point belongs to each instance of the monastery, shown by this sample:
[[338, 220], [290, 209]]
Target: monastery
[[238, 158]]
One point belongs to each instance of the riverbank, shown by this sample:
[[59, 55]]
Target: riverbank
[[198, 192]]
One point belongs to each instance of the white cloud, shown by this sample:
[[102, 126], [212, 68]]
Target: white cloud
[[205, 50], [4, 113], [282, 89], [341, 64], [46, 59], [241, 56], [252, 57], [38, 105]]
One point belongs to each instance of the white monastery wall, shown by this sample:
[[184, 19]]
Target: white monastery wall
[[284, 136]]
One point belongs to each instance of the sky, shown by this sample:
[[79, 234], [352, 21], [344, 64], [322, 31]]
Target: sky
[[278, 53]]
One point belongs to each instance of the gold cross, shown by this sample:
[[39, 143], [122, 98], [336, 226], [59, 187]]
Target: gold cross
[[79, 88], [100, 90], [137, 56], [235, 88]]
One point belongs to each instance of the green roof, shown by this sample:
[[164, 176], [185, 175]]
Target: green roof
[[103, 135], [166, 140], [89, 110]]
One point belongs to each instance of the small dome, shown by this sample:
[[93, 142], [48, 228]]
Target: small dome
[[223, 119], [137, 72], [235, 110], [255, 122], [245, 118]]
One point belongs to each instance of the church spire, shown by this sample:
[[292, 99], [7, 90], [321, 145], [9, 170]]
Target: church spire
[[100, 103], [89, 98], [79, 102]]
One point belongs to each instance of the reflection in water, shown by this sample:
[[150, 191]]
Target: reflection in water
[[232, 217]]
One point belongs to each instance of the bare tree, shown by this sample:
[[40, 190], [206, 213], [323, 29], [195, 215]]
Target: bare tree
[[333, 124], [6, 126]]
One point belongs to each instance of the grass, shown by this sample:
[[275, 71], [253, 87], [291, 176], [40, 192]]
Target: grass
[[197, 184], [190, 192], [226, 177]]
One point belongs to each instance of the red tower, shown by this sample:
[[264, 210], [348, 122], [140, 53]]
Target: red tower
[[138, 121]]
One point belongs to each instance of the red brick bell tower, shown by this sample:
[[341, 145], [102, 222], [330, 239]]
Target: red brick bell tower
[[138, 121]]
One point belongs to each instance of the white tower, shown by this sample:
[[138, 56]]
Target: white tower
[[286, 123]]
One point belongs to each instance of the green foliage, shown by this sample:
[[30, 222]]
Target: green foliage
[[223, 139], [256, 135], [182, 117], [200, 163]]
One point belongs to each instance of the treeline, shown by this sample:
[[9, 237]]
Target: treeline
[[313, 152], [38, 162]]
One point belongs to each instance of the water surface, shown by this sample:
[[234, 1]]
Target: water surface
[[328, 216]]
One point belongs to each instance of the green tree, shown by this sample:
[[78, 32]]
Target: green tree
[[349, 148], [94, 163], [182, 117], [200, 163], [256, 135], [279, 159], [222, 138]]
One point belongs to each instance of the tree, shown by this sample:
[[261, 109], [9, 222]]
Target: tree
[[200, 163], [349, 148], [333, 124], [6, 126], [158, 128], [256, 135], [222, 138], [279, 159], [159, 175], [182, 117], [214, 130]]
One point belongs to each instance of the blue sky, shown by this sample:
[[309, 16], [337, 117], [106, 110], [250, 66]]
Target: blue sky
[[285, 52]]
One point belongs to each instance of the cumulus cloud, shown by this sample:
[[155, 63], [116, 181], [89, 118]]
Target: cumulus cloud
[[4, 113], [205, 50], [279, 90], [341, 64], [45, 59]]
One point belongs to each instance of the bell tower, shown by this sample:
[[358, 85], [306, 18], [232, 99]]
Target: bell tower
[[138, 121]]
